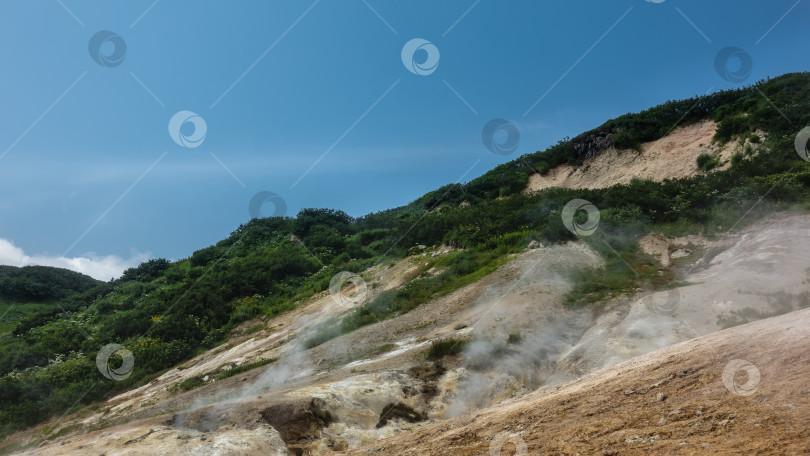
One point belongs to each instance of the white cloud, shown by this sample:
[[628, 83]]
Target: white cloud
[[98, 267]]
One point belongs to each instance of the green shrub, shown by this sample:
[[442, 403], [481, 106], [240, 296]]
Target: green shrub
[[168, 312], [190, 383], [707, 162], [446, 347], [244, 368]]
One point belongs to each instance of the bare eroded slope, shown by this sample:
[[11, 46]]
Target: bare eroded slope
[[744, 390], [673, 156], [333, 397]]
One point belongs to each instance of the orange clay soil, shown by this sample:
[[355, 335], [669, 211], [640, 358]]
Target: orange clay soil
[[672, 401]]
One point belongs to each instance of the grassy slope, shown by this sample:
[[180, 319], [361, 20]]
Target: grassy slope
[[167, 312]]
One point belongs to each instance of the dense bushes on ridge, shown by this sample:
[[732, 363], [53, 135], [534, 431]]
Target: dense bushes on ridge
[[166, 312]]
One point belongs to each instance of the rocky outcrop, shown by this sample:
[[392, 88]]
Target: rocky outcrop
[[299, 422], [592, 143]]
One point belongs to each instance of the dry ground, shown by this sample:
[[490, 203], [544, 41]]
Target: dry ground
[[672, 401], [673, 156], [760, 272]]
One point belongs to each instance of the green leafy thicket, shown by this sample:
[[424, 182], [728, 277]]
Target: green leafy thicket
[[33, 292], [166, 312], [739, 112], [41, 283]]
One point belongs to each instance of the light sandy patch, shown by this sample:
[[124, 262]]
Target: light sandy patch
[[671, 157]]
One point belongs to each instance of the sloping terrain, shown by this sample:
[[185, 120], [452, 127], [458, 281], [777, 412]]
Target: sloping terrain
[[761, 272], [466, 308], [335, 396], [671, 401], [671, 157], [344, 372]]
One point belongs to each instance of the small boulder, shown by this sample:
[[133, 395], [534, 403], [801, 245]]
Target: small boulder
[[534, 245]]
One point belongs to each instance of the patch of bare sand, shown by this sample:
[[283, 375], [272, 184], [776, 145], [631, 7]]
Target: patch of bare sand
[[673, 156], [666, 248]]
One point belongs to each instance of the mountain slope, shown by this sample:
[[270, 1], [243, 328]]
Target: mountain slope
[[671, 401], [353, 382], [41, 283], [29, 295], [166, 314], [674, 156]]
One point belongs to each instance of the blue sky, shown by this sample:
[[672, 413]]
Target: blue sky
[[91, 178]]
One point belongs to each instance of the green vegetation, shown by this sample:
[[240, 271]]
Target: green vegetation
[[464, 268], [514, 338], [167, 312], [739, 113], [244, 368], [34, 291], [199, 380], [41, 283], [12, 313], [707, 162], [190, 383], [626, 268], [446, 347]]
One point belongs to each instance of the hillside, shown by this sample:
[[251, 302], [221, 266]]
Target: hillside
[[334, 397], [412, 304], [674, 156], [41, 283], [32, 293], [684, 399]]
